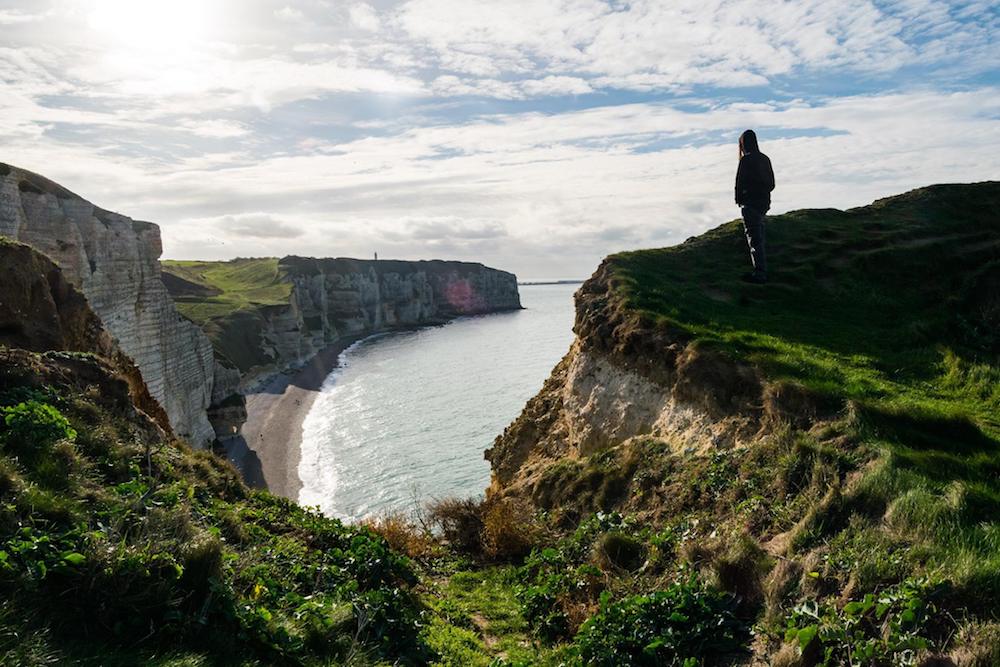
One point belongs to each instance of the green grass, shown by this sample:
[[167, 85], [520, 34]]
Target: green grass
[[227, 287], [879, 304], [228, 299], [477, 619]]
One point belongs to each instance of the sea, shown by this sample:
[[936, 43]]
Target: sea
[[406, 416]]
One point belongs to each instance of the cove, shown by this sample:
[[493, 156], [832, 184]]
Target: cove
[[406, 416]]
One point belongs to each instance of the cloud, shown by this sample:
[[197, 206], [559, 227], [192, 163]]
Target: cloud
[[556, 85], [364, 16], [216, 128], [648, 45], [255, 225], [287, 13], [14, 17], [450, 229]]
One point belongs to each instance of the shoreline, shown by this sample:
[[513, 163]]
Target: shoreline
[[268, 451], [276, 410]]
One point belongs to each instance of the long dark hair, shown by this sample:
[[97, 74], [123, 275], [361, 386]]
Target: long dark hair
[[748, 143]]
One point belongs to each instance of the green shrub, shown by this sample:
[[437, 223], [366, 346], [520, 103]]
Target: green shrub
[[545, 578], [30, 428], [678, 626], [886, 628]]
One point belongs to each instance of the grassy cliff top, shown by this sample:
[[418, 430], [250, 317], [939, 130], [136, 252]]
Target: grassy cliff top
[[206, 291], [895, 303], [886, 316], [226, 298]]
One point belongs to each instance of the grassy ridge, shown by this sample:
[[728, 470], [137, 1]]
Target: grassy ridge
[[886, 304], [219, 289], [226, 299], [890, 312]]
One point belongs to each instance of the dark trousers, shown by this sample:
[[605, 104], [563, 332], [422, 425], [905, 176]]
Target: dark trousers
[[753, 225]]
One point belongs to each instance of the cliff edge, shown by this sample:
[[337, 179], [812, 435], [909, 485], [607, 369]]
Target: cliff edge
[[266, 314], [114, 261], [865, 305], [41, 311], [823, 449]]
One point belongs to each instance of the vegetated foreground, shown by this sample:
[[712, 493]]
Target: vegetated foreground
[[859, 525], [856, 519]]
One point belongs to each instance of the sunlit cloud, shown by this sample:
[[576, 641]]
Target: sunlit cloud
[[534, 136]]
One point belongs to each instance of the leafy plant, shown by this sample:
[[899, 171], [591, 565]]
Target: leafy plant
[[885, 628], [31, 427], [677, 626]]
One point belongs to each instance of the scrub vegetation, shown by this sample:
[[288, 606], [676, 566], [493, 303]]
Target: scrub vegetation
[[117, 546], [862, 530]]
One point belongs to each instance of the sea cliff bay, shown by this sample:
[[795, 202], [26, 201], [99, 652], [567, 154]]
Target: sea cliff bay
[[715, 472]]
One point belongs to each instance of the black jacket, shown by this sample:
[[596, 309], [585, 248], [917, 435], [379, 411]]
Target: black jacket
[[754, 181]]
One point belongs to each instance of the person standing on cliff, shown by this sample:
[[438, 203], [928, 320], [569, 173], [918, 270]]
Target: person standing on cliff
[[754, 183]]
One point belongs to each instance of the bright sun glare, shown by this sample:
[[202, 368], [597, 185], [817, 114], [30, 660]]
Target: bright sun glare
[[150, 24]]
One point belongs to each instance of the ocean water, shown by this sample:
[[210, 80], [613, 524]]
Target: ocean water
[[406, 416]]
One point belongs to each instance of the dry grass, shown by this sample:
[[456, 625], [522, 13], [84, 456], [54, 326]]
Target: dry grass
[[494, 529], [405, 534], [510, 529]]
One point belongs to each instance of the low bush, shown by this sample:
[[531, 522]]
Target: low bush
[[460, 521], [891, 627], [617, 551], [494, 529], [510, 529], [404, 535], [686, 624], [31, 428]]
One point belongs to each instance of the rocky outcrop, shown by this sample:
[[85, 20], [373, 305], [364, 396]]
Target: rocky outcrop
[[624, 378], [334, 300], [114, 260], [41, 312]]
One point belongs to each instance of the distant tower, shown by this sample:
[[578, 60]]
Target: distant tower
[[376, 256]]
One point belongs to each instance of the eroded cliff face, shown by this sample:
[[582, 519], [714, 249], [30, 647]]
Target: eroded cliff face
[[41, 312], [114, 260], [338, 298], [334, 300], [626, 378]]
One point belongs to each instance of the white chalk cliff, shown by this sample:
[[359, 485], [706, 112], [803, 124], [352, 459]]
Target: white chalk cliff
[[114, 261]]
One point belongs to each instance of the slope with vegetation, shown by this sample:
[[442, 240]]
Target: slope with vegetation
[[231, 302], [718, 473], [121, 545], [836, 475]]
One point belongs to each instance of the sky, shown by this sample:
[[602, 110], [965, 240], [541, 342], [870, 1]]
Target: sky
[[536, 136]]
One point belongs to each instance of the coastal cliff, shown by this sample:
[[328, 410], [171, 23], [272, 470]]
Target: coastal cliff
[[670, 348], [820, 451], [114, 261], [40, 311], [268, 315]]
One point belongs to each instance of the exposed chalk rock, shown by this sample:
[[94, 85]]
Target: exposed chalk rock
[[114, 261]]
